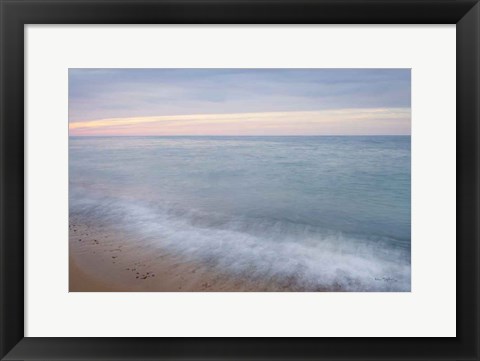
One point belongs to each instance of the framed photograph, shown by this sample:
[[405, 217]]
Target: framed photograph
[[244, 199], [239, 180]]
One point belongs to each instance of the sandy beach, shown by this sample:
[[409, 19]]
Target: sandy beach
[[79, 281], [101, 260]]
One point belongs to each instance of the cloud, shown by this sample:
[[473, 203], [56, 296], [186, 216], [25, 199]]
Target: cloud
[[362, 121], [119, 93]]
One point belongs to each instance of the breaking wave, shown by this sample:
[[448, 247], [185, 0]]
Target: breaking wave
[[304, 255]]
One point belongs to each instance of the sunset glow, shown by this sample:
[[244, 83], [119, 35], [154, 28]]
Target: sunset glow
[[327, 122]]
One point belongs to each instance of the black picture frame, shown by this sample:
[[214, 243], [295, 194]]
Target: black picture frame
[[15, 14]]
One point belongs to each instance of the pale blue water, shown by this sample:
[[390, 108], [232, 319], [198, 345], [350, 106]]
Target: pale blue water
[[329, 212]]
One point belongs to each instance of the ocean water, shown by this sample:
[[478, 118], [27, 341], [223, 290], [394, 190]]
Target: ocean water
[[324, 212]]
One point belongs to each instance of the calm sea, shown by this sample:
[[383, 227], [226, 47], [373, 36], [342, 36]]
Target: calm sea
[[329, 212]]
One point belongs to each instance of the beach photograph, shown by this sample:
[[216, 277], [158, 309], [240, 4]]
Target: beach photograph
[[239, 180]]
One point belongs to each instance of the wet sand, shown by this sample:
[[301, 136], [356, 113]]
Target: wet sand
[[102, 260], [79, 281]]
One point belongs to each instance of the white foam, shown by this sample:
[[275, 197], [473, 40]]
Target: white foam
[[257, 249]]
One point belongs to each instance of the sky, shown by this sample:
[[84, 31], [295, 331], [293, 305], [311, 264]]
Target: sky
[[123, 102]]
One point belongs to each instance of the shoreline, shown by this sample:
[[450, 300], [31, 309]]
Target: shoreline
[[102, 260]]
